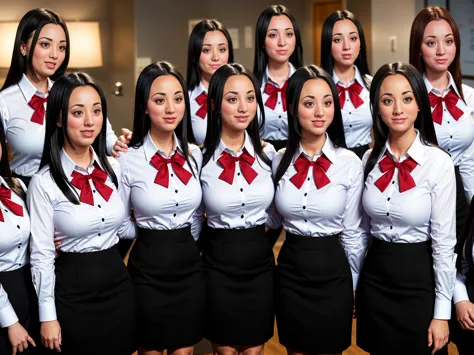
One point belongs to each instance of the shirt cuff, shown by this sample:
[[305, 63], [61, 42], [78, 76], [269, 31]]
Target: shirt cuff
[[7, 316], [355, 281], [442, 310], [460, 293], [47, 312]]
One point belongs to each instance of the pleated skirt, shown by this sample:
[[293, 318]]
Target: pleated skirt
[[238, 268], [314, 295], [95, 303], [170, 292]]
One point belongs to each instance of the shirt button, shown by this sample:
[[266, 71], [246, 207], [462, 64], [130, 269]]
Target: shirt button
[[243, 204], [242, 216], [99, 206], [176, 191], [279, 102], [177, 204], [444, 109], [279, 116], [306, 194], [306, 220], [388, 214], [6, 210], [18, 227], [99, 234], [448, 122], [308, 179], [93, 191], [103, 220], [449, 149], [172, 175], [350, 125], [347, 100], [388, 199], [19, 246], [350, 113], [450, 136], [391, 227], [393, 182], [241, 190], [238, 174], [304, 207], [174, 214]]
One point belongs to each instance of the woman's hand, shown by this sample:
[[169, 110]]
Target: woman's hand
[[19, 338], [465, 315], [51, 335], [438, 334], [121, 145]]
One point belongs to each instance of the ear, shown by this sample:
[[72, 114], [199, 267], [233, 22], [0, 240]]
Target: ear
[[59, 122], [213, 104], [23, 49]]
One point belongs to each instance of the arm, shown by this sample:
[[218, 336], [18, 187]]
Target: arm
[[3, 115], [466, 169], [128, 228], [110, 137], [7, 313]]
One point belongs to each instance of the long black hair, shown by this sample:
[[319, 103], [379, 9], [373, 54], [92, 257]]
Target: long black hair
[[195, 48], [58, 109], [214, 104], [30, 27], [327, 61], [5, 170], [423, 121], [261, 57], [335, 130], [142, 121]]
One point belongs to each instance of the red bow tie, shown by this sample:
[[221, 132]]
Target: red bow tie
[[202, 101], [354, 91], [5, 198], [388, 165], [98, 177], [37, 104], [273, 91], [320, 167], [451, 99], [177, 162], [245, 163]]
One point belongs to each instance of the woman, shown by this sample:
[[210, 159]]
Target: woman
[[404, 294], [278, 53], [344, 54], [315, 173], [19, 324], [435, 47], [86, 295], [237, 193], [40, 56], [160, 162]]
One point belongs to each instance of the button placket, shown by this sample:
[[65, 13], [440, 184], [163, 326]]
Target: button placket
[[239, 179], [175, 186], [304, 201]]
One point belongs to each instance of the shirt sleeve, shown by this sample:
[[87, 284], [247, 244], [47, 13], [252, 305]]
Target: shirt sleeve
[[128, 229], [7, 313], [466, 169], [460, 290], [443, 235], [40, 205], [3, 115], [352, 235], [198, 222], [111, 138]]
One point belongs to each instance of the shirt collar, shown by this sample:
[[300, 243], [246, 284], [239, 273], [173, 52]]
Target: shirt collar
[[29, 90], [151, 149], [198, 90], [357, 77], [416, 151], [69, 166], [247, 145], [451, 84], [266, 77], [329, 150]]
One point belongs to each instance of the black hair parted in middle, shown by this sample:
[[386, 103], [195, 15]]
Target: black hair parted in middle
[[214, 104], [327, 61], [142, 121], [58, 110], [335, 130], [423, 121]]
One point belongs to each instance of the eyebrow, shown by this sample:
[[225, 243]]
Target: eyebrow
[[340, 33], [209, 44], [313, 97], [164, 94], [50, 39], [431, 36], [82, 105], [403, 93], [276, 29], [236, 93]]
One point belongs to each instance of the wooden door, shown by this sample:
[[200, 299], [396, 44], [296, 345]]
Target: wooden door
[[321, 10]]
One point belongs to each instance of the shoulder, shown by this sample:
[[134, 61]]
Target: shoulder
[[195, 152], [347, 156], [468, 92], [41, 181], [366, 157], [269, 150], [277, 159], [115, 165]]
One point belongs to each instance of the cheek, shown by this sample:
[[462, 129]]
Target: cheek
[[426, 52], [73, 123], [269, 43], [155, 110], [227, 110], [180, 110], [225, 57], [335, 50], [305, 113], [385, 114], [203, 60]]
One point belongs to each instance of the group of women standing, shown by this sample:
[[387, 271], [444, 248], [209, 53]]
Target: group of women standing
[[228, 158]]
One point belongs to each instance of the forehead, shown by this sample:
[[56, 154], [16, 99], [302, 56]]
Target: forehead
[[239, 83], [395, 84], [437, 28], [83, 94], [280, 22], [213, 37], [315, 87], [53, 31], [164, 83], [344, 26]]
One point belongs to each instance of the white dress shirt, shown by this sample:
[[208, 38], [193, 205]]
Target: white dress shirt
[[333, 209], [199, 124], [427, 211], [26, 138], [276, 121], [81, 228], [457, 136], [14, 237], [240, 205], [460, 290], [173, 207], [357, 121]]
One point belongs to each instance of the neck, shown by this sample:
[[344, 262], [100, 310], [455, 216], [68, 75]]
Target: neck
[[205, 79], [81, 155], [163, 140], [233, 140], [39, 83], [401, 142], [312, 144], [279, 72], [439, 80], [345, 73]]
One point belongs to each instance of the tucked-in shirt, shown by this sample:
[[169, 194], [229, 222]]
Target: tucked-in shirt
[[276, 120], [332, 209], [155, 206], [457, 136], [425, 212], [81, 228], [199, 124], [26, 138], [14, 237], [357, 121], [240, 204]]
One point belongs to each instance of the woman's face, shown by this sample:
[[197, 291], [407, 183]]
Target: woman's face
[[214, 52], [438, 47], [345, 46], [49, 52], [280, 40]]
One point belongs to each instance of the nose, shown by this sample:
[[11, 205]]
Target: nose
[[243, 105], [397, 108], [440, 49], [215, 55], [281, 40], [88, 119], [346, 44], [318, 110], [170, 106], [53, 52]]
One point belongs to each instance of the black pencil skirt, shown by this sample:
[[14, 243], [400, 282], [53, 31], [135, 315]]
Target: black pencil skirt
[[395, 299], [462, 205], [166, 270], [238, 268], [22, 296], [95, 303], [463, 339], [314, 295]]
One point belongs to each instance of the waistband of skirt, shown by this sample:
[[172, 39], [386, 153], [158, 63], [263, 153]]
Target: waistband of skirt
[[236, 235], [309, 242], [165, 236], [401, 248]]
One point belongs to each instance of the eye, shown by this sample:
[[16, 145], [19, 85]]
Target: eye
[[327, 103], [159, 101], [450, 41], [308, 104], [97, 111], [232, 100], [77, 113], [62, 48], [44, 44], [354, 38], [206, 50], [272, 35], [387, 101], [290, 34], [337, 40], [408, 99], [178, 99], [430, 43], [251, 98], [223, 49]]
